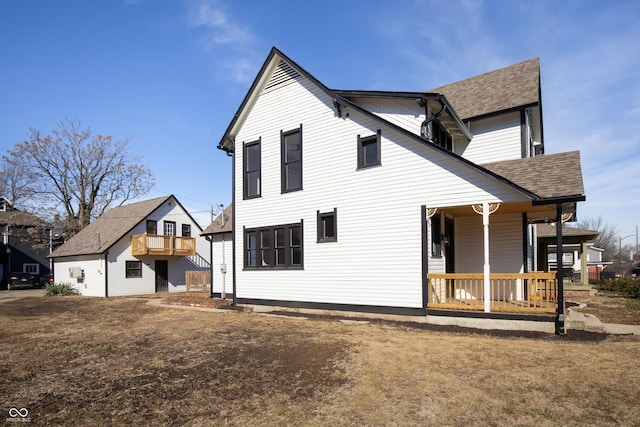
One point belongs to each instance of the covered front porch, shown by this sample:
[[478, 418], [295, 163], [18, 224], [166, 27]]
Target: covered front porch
[[483, 258]]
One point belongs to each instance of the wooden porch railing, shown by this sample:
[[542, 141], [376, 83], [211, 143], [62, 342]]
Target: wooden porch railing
[[156, 244], [198, 281], [525, 292]]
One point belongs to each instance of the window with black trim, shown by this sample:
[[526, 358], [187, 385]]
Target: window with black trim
[[437, 134], [369, 150], [252, 170], [327, 226], [133, 269], [291, 160], [152, 226], [436, 236], [186, 230], [279, 246]]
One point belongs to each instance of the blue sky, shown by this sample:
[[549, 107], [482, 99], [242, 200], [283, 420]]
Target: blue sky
[[171, 74]]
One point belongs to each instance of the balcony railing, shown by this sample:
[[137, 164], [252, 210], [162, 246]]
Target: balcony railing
[[533, 292], [155, 244]]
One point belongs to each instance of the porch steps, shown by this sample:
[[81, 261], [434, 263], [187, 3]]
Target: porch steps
[[584, 322]]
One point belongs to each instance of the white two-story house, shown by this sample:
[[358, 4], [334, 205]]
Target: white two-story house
[[394, 202]]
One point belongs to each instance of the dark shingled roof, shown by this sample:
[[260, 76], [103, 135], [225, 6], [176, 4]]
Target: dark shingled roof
[[216, 226], [111, 226], [15, 218], [504, 89], [549, 176]]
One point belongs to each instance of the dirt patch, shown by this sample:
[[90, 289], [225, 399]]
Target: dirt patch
[[96, 361], [609, 308], [198, 300]]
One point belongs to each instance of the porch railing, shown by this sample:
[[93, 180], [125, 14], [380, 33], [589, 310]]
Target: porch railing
[[198, 281], [155, 244], [536, 291]]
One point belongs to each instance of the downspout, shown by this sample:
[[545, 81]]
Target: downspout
[[560, 271], [106, 274], [233, 228], [210, 240]]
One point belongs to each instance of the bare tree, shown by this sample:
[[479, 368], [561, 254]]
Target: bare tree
[[608, 237], [77, 173]]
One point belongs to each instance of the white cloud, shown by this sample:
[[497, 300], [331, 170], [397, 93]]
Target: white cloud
[[223, 38]]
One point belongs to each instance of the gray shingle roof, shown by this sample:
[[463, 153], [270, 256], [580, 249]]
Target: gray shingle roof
[[503, 89], [110, 227], [216, 227], [549, 176], [549, 230]]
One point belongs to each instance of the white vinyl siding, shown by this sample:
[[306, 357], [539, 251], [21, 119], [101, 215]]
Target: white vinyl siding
[[505, 244], [494, 139], [93, 282], [406, 114], [377, 259]]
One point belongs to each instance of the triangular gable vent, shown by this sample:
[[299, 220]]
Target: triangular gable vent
[[283, 75]]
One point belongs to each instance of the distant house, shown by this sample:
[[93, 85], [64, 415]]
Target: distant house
[[24, 245], [395, 202], [140, 248], [219, 234], [579, 255]]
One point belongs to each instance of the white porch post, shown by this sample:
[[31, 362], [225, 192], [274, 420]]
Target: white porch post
[[487, 269]]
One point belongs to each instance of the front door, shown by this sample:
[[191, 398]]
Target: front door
[[162, 276]]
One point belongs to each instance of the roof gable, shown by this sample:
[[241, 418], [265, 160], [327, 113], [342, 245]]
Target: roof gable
[[222, 223], [504, 89], [109, 228]]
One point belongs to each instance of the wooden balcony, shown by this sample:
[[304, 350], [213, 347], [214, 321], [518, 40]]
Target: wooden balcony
[[155, 244], [519, 292]]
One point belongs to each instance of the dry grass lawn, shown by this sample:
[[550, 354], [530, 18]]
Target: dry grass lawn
[[90, 361]]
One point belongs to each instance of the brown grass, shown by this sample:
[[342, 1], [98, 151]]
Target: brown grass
[[83, 361], [610, 308]]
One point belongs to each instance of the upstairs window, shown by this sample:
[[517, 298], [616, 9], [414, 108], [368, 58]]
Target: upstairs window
[[369, 150], [438, 135], [327, 226], [186, 230], [291, 161], [252, 170], [152, 227]]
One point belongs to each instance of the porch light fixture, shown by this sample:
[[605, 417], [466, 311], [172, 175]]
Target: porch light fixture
[[492, 208]]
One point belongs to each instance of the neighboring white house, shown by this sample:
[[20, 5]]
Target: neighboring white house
[[353, 200], [140, 248], [220, 236]]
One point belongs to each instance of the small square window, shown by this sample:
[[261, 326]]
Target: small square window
[[133, 269], [327, 226], [186, 230], [369, 150]]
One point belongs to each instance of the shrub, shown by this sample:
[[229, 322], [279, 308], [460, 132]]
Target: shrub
[[629, 288], [60, 290]]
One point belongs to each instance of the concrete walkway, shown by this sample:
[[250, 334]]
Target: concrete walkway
[[588, 322]]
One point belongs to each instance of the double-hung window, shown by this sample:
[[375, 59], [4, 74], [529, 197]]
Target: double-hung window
[[279, 246], [186, 230], [133, 269], [252, 170], [291, 160], [369, 150]]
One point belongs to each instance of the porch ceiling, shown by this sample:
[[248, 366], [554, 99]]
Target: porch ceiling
[[539, 212]]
